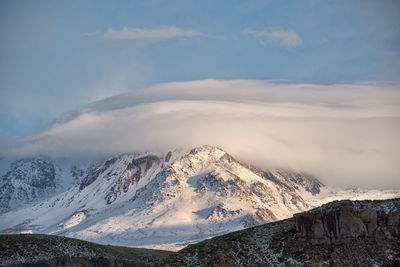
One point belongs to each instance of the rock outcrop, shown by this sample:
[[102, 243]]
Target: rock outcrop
[[344, 222], [340, 233]]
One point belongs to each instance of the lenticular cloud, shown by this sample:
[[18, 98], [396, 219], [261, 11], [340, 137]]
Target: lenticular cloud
[[346, 134]]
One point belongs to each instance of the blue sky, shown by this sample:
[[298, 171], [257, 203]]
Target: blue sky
[[58, 55]]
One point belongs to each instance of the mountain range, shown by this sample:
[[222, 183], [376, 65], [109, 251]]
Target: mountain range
[[155, 200]]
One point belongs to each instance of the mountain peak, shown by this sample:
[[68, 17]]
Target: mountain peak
[[164, 200], [207, 149]]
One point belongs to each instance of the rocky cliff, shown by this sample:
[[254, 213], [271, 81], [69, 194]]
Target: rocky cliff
[[340, 233], [347, 221]]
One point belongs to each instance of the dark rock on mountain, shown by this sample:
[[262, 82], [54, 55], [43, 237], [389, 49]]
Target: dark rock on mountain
[[297, 180], [134, 171], [92, 176], [290, 179], [168, 156]]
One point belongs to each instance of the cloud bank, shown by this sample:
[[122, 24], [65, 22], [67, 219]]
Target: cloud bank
[[147, 35], [282, 37], [346, 134]]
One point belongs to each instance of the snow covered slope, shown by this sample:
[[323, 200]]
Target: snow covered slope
[[170, 200], [28, 181]]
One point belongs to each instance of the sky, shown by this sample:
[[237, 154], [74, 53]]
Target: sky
[[56, 56], [316, 83]]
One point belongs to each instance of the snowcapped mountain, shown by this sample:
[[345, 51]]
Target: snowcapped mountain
[[28, 181], [158, 200]]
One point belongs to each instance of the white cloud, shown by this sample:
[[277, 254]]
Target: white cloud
[[346, 134], [147, 35], [282, 37]]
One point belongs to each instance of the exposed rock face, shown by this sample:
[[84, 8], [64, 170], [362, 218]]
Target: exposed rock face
[[220, 212], [92, 176], [134, 171], [344, 222], [260, 216], [297, 180], [292, 181]]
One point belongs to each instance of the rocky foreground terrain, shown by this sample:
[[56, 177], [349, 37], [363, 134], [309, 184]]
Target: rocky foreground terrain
[[46, 250], [340, 233]]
